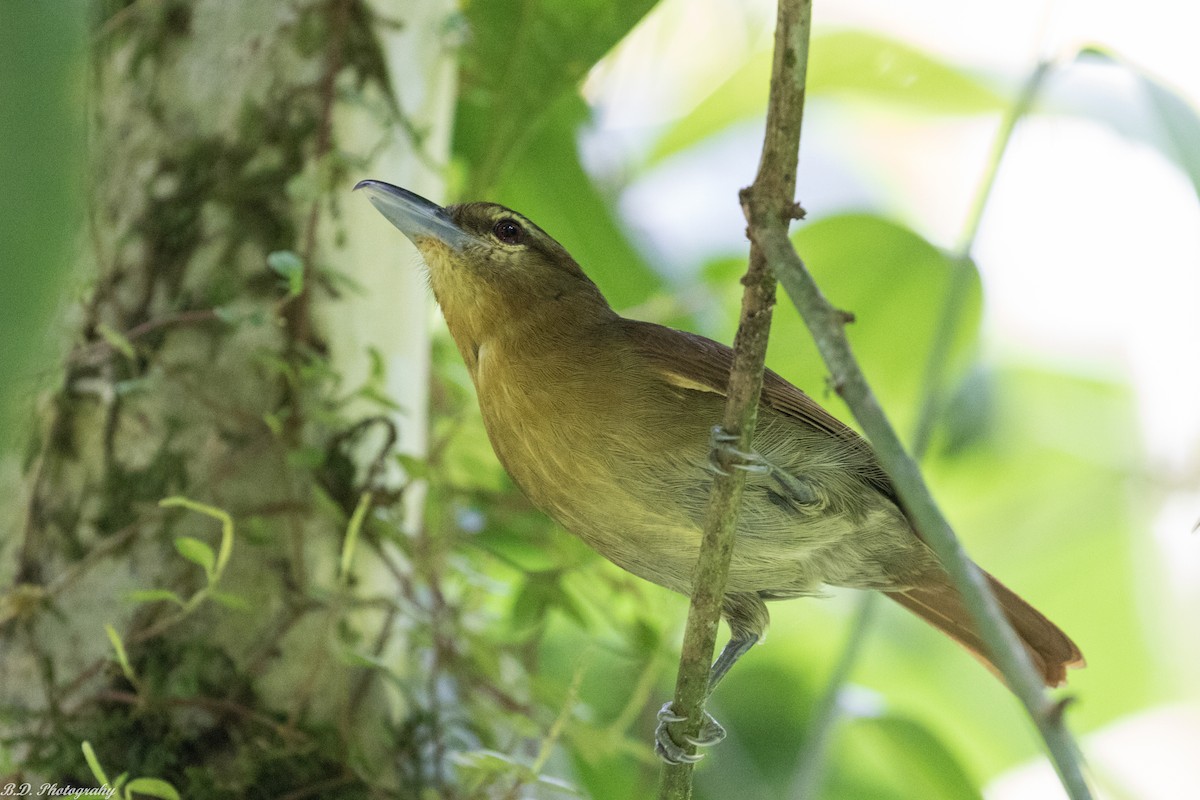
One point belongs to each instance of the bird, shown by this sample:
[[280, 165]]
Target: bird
[[606, 424]]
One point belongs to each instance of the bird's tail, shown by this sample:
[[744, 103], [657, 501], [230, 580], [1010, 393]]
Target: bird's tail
[[1051, 650]]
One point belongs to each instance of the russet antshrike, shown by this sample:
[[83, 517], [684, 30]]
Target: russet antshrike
[[604, 423]]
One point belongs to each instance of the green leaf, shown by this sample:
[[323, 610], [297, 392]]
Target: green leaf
[[513, 544], [122, 656], [895, 283], [533, 601], [197, 551], [43, 58], [288, 265], [1180, 125], [229, 600], [226, 546], [1175, 125], [155, 596], [415, 468], [918, 760], [1063, 451], [117, 340], [542, 593], [89, 755], [586, 225], [843, 63], [521, 57], [881, 69], [352, 532], [153, 787]]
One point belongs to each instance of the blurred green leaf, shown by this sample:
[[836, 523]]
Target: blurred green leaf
[[231, 601], [515, 545], [89, 755], [1040, 498], [198, 552], [556, 193], [1180, 124], [153, 787], [118, 340], [1175, 125], [155, 596], [43, 51], [895, 283], [288, 265], [1050, 499], [848, 63], [887, 70], [911, 756], [521, 58], [122, 656], [541, 593]]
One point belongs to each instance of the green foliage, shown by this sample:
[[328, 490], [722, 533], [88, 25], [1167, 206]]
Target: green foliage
[[522, 58], [518, 119], [844, 64], [41, 159], [894, 282], [288, 266], [519, 663], [1174, 124], [150, 787], [587, 225]]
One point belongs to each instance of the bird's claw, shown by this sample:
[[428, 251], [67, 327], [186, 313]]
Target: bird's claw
[[722, 453], [667, 714], [671, 751]]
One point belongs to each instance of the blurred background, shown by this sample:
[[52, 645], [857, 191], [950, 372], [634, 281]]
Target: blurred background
[[194, 305]]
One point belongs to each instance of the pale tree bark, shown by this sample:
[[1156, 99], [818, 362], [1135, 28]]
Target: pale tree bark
[[252, 338]]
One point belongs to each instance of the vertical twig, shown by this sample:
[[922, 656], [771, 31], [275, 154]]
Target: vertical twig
[[768, 204], [810, 765], [812, 756], [960, 279], [825, 324]]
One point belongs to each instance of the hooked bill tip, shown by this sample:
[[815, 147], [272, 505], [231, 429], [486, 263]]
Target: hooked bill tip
[[415, 216]]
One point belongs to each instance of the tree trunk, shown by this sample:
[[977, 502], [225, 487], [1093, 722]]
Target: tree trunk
[[254, 338]]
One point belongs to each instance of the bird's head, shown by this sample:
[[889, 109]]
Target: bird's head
[[488, 265]]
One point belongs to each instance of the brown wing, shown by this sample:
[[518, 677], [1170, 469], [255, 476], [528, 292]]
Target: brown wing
[[695, 362]]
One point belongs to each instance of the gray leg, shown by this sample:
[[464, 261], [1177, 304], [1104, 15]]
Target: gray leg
[[747, 617], [711, 731], [734, 649]]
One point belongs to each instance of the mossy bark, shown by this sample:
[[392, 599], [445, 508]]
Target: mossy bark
[[239, 345]]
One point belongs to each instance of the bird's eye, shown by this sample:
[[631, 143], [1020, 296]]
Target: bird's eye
[[508, 231]]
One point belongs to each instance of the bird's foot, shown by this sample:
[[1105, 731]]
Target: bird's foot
[[670, 751], [723, 456]]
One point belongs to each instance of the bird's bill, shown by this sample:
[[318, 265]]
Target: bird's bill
[[416, 217]]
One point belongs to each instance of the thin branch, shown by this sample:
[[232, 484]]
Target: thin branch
[[825, 323], [950, 319], [767, 204], [810, 765], [960, 278]]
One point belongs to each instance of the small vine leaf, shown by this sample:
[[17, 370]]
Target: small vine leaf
[[197, 551]]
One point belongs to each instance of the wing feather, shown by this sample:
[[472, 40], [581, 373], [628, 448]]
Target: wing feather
[[696, 362]]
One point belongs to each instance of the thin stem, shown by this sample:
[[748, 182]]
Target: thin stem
[[960, 277], [825, 323], [1017, 111], [811, 763], [768, 203], [949, 321]]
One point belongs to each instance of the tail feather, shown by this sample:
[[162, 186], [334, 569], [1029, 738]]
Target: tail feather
[[1051, 650]]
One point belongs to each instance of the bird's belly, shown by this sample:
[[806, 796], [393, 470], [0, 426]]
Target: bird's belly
[[647, 517], [633, 484]]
